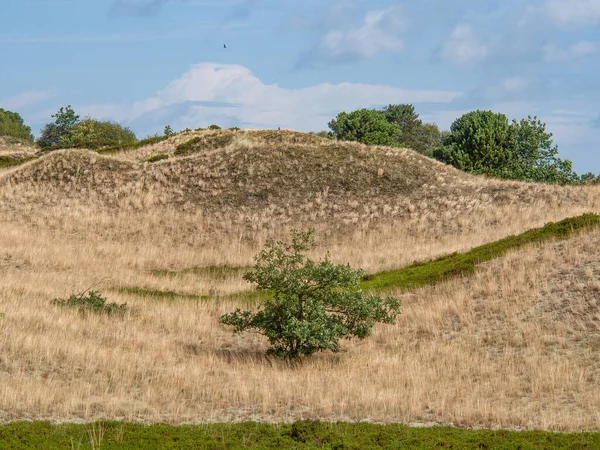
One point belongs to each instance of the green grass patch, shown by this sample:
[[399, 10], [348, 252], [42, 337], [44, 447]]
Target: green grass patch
[[157, 294], [458, 264], [158, 157], [9, 161], [133, 146], [407, 278], [214, 272], [164, 295], [299, 435]]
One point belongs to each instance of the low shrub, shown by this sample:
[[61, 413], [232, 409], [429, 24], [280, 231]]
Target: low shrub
[[94, 303], [158, 157], [9, 161], [93, 134], [203, 142], [214, 127], [146, 141]]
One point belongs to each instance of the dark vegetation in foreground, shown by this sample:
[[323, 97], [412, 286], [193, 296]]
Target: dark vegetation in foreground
[[299, 435]]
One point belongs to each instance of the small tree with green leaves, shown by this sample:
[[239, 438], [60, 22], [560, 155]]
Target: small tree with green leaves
[[59, 134], [169, 131], [311, 305]]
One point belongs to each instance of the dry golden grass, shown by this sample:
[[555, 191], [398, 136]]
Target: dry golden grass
[[15, 148], [514, 346]]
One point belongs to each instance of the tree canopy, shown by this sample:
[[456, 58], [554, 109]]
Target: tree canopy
[[394, 125], [68, 131], [486, 143], [311, 305], [366, 126], [11, 124]]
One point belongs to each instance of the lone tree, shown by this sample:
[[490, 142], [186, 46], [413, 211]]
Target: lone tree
[[313, 305], [59, 134]]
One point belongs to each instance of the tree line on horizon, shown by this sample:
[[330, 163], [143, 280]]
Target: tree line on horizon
[[478, 142]]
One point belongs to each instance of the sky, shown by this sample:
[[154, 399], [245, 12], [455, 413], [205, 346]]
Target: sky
[[297, 63]]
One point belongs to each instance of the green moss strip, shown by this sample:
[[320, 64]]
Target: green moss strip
[[155, 294], [208, 271], [9, 161], [459, 264], [407, 278], [300, 435]]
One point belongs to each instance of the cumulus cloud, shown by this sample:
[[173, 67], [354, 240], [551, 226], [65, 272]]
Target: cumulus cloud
[[514, 84], [463, 46], [378, 32], [26, 99], [573, 12], [231, 95], [577, 51]]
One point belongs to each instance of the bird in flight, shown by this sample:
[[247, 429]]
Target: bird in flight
[[224, 46]]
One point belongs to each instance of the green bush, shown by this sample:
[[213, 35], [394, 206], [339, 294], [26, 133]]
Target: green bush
[[483, 142], [394, 125], [214, 127], [158, 157], [11, 124], [94, 303], [9, 161], [94, 134], [313, 305], [365, 125], [59, 134]]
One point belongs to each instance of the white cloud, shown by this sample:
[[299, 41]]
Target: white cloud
[[210, 92], [378, 32], [463, 46], [568, 12], [25, 99], [577, 51], [514, 84]]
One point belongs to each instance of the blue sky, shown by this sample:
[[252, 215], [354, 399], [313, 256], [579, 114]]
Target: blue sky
[[296, 64]]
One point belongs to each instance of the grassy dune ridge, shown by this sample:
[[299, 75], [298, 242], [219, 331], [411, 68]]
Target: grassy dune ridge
[[514, 345]]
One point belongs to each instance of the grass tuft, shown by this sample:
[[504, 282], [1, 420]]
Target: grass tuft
[[94, 303]]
